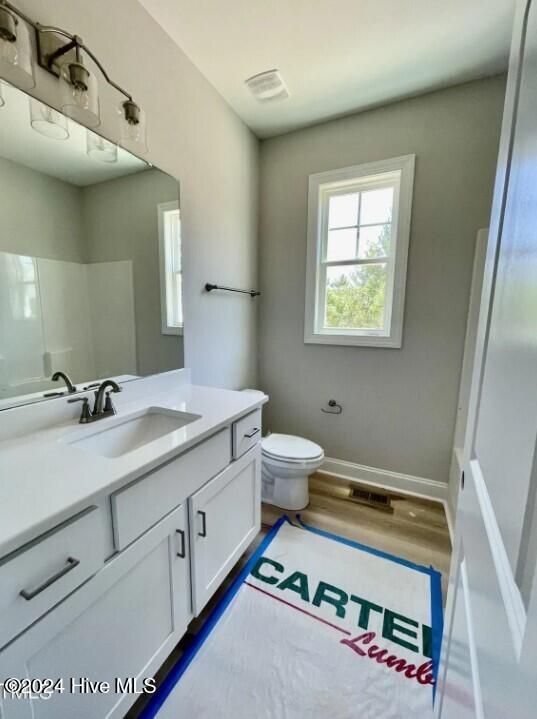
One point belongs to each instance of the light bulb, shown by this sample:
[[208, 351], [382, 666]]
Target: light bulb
[[80, 99], [132, 127]]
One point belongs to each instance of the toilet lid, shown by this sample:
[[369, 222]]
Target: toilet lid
[[287, 446]]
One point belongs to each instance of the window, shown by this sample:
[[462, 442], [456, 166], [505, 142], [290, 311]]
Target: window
[[23, 286], [169, 230], [358, 232]]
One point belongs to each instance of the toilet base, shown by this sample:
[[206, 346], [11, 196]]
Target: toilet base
[[285, 492]]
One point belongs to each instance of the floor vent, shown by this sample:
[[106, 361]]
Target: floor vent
[[371, 499]]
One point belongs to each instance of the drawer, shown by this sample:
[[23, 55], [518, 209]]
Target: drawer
[[246, 433], [39, 575], [145, 501]]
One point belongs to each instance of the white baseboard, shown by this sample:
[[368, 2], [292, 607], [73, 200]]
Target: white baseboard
[[403, 483]]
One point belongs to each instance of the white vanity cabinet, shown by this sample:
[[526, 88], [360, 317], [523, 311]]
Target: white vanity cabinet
[[225, 516], [177, 532], [41, 574], [122, 624]]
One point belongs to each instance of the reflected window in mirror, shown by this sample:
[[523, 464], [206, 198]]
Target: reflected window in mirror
[[169, 224], [23, 286]]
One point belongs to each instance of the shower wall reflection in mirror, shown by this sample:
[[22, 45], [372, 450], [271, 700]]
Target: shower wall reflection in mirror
[[90, 258]]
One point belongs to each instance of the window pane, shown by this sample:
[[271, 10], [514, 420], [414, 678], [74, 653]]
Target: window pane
[[374, 241], [341, 245], [376, 206], [343, 210], [27, 269], [172, 267], [178, 310], [355, 296]]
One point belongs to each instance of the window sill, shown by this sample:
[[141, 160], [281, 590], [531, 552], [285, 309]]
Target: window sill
[[172, 331], [354, 340]]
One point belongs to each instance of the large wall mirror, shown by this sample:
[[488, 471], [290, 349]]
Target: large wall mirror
[[90, 257]]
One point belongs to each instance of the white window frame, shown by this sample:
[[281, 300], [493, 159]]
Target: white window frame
[[162, 209], [400, 172]]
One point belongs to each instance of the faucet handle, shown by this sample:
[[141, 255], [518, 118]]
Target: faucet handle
[[85, 415]]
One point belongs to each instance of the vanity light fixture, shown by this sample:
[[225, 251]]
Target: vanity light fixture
[[133, 127], [15, 50], [63, 55], [79, 92], [99, 148], [47, 121]]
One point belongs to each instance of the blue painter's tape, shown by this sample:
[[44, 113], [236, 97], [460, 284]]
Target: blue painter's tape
[[186, 658], [437, 623], [365, 548]]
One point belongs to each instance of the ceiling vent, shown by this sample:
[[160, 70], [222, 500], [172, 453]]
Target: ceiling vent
[[267, 86]]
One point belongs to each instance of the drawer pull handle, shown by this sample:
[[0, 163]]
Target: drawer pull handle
[[71, 564], [182, 553], [255, 431], [203, 532]]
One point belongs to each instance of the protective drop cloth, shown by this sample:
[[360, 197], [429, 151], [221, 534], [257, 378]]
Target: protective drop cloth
[[315, 627]]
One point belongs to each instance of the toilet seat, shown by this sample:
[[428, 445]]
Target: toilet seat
[[291, 449]]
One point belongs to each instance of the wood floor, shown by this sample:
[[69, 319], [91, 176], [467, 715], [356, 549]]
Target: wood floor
[[413, 528], [416, 530]]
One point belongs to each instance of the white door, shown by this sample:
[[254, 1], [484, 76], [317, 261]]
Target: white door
[[225, 516], [489, 659]]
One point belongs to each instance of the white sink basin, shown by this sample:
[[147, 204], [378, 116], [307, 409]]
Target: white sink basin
[[134, 432]]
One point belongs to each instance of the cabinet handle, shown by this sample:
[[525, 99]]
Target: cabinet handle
[[203, 532], [182, 553], [255, 431], [30, 594]]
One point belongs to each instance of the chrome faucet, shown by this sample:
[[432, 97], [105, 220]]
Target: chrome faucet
[[103, 406], [61, 375]]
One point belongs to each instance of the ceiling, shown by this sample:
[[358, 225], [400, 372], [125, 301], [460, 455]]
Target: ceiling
[[336, 56], [65, 160]]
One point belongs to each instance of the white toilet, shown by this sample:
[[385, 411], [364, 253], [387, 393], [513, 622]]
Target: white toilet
[[287, 462]]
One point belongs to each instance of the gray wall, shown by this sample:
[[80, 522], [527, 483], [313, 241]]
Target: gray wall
[[197, 138], [399, 405], [40, 215], [120, 223]]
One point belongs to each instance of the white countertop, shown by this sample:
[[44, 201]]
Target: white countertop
[[44, 480]]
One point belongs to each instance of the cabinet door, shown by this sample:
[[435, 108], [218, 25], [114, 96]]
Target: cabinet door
[[225, 516], [121, 624]]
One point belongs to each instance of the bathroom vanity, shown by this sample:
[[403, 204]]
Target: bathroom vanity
[[114, 535], [115, 529]]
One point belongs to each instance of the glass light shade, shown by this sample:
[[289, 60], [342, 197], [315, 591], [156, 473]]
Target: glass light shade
[[100, 149], [79, 94], [48, 122], [133, 134], [16, 64]]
